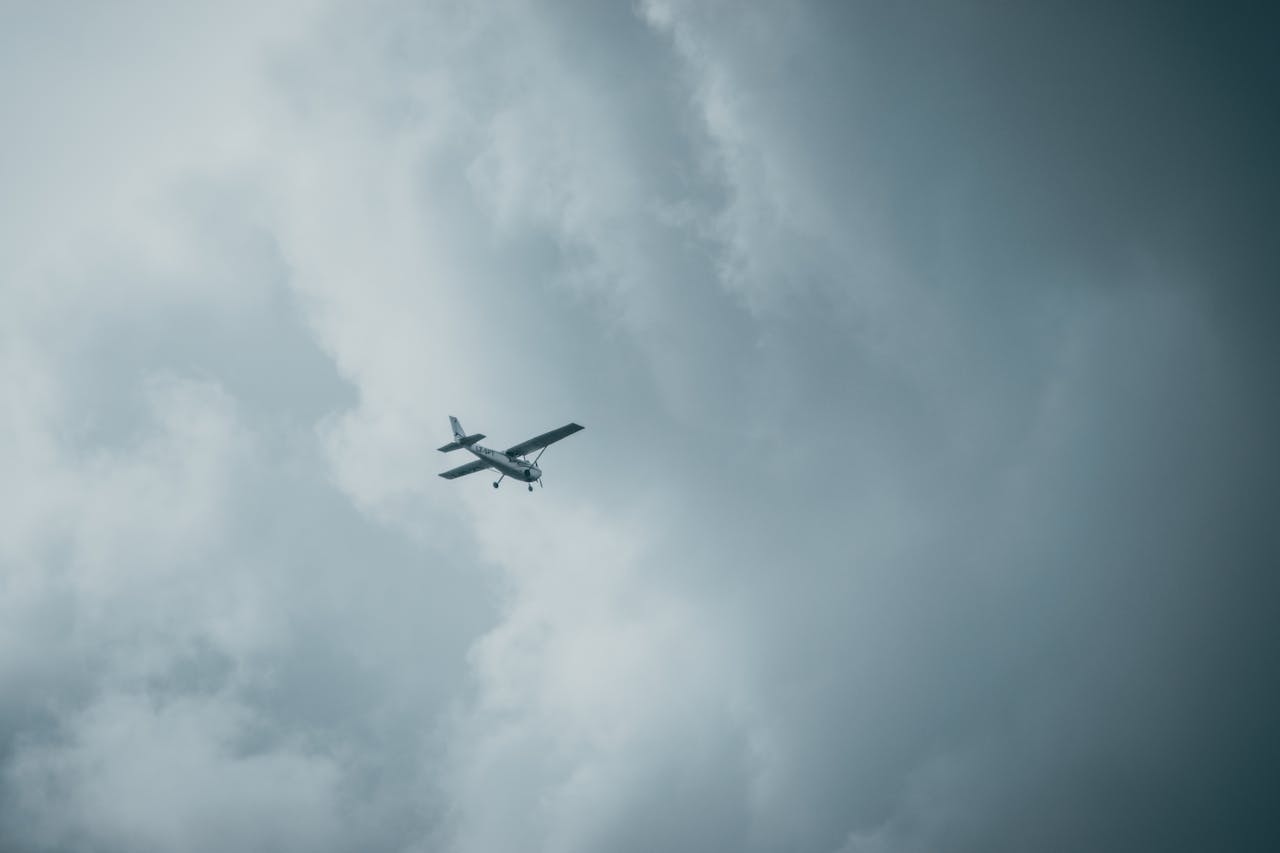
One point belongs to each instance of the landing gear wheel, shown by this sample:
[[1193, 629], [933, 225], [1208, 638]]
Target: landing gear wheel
[[495, 485], [531, 487]]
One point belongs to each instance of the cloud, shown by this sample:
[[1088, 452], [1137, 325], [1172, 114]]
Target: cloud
[[178, 566], [923, 496], [141, 775]]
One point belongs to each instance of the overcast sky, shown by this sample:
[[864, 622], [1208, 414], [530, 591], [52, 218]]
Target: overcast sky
[[927, 356]]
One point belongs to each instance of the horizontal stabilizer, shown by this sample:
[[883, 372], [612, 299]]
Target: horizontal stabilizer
[[463, 441]]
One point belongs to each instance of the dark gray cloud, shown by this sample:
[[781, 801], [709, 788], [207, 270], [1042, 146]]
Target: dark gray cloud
[[926, 500]]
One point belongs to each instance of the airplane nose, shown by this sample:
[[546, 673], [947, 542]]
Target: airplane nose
[[535, 473]]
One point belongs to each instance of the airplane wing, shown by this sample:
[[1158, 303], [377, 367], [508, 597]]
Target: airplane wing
[[463, 470], [541, 441]]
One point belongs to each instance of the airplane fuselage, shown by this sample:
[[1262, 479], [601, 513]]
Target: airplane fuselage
[[516, 469]]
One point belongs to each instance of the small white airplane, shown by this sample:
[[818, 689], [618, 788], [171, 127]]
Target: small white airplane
[[509, 462]]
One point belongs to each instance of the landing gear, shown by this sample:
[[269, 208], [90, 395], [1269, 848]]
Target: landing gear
[[500, 479], [531, 487], [495, 485]]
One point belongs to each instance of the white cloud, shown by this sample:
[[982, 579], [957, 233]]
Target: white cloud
[[860, 485], [137, 773]]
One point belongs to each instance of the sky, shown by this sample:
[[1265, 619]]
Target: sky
[[926, 354]]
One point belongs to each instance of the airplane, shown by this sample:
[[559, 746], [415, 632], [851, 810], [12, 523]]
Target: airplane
[[509, 462]]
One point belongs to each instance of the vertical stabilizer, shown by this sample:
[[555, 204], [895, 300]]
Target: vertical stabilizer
[[460, 438]]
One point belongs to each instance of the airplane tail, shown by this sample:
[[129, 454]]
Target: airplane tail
[[460, 438]]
